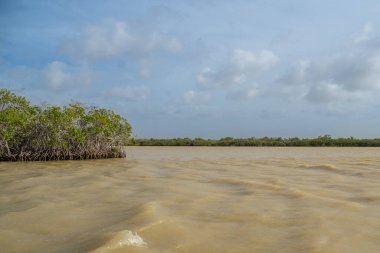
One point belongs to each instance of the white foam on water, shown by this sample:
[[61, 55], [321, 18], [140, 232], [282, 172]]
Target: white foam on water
[[127, 238], [121, 239]]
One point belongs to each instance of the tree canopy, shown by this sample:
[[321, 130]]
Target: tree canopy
[[30, 132], [325, 140]]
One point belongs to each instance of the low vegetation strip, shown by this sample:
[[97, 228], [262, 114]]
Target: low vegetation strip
[[34, 133], [321, 141]]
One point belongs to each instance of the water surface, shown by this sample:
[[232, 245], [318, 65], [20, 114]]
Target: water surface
[[195, 199]]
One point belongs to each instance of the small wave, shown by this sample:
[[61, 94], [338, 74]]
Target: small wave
[[249, 183], [325, 167], [121, 239], [297, 193], [320, 166], [366, 198], [147, 213]]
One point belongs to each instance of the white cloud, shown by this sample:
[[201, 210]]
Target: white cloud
[[365, 35], [60, 76], [248, 61], [298, 75], [195, 97], [56, 75], [243, 67], [349, 75], [130, 92], [243, 93], [238, 77], [114, 38], [325, 92]]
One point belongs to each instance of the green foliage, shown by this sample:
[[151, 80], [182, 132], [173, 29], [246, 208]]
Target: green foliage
[[55, 133], [325, 140]]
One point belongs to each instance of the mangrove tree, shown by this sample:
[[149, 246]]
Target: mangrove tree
[[30, 132]]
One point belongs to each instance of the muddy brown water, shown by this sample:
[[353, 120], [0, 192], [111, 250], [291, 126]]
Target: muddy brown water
[[195, 199]]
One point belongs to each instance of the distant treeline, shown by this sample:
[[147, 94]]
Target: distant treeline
[[325, 140], [30, 132]]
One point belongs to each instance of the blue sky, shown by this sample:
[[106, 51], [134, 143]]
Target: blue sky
[[202, 68]]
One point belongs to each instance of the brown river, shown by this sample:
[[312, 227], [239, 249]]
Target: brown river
[[195, 199]]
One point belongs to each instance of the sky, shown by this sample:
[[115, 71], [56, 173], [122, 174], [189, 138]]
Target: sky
[[202, 68]]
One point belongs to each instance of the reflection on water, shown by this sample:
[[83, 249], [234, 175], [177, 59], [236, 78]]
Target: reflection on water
[[195, 199]]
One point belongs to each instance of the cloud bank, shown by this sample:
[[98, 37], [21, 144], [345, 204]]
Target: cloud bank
[[348, 75], [114, 39]]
